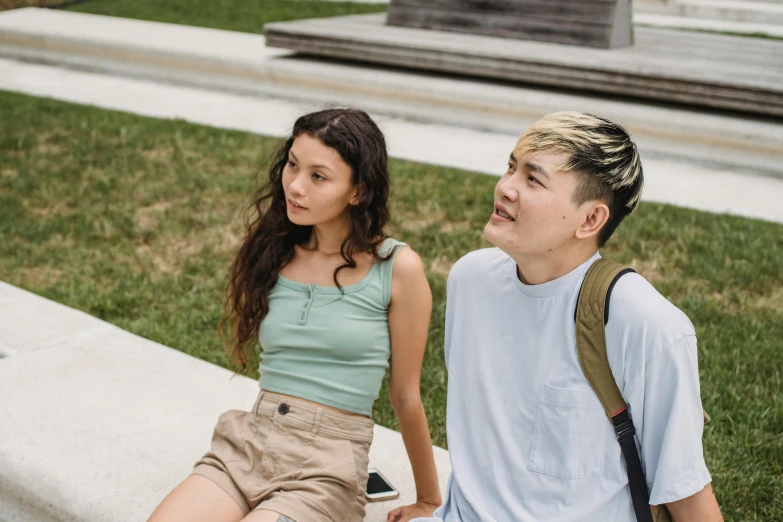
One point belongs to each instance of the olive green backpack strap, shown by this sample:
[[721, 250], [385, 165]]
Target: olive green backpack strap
[[592, 313]]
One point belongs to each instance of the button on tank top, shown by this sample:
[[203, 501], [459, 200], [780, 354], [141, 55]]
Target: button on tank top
[[328, 346]]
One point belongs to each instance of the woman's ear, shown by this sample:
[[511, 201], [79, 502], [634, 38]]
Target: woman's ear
[[358, 192]]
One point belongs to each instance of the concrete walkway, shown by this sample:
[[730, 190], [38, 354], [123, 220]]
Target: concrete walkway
[[667, 180], [712, 162], [692, 23]]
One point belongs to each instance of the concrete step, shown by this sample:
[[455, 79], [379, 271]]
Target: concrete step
[[687, 23], [101, 425], [701, 70], [766, 12], [700, 185], [237, 62]]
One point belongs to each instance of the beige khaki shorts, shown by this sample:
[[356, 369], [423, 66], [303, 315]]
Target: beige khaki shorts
[[292, 457]]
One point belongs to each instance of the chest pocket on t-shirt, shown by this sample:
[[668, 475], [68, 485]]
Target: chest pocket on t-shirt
[[570, 433]]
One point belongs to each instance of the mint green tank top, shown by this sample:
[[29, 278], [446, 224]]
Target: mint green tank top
[[328, 346]]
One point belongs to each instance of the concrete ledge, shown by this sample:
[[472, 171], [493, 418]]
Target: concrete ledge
[[705, 70], [101, 427], [236, 62], [704, 186], [687, 23], [761, 12], [137, 40], [23, 329]]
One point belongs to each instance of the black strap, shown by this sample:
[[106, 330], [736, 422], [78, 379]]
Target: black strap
[[608, 294], [621, 420], [625, 430]]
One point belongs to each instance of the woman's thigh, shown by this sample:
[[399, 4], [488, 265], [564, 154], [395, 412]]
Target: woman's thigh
[[197, 499], [265, 515]]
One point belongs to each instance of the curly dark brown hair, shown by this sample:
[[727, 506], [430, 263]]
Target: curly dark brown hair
[[270, 237]]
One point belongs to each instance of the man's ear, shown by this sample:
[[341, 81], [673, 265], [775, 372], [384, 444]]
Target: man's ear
[[596, 214]]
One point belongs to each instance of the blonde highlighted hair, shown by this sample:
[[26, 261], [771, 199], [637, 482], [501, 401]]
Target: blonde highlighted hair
[[602, 155]]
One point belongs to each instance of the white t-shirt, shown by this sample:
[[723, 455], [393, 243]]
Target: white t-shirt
[[528, 438]]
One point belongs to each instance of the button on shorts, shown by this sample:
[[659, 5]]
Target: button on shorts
[[303, 461]]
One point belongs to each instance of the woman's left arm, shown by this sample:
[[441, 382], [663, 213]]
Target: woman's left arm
[[409, 320]]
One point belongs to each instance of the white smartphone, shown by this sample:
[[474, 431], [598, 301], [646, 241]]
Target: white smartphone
[[379, 488]]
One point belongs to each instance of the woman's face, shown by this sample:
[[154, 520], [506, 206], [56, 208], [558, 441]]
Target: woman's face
[[317, 183]]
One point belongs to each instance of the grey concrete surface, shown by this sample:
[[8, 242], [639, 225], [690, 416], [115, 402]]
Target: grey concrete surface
[[752, 11], [139, 40], [690, 23], [23, 329], [100, 426], [242, 64], [701, 185], [704, 70]]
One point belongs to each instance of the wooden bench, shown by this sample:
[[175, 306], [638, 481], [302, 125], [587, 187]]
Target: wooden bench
[[592, 23], [701, 70]]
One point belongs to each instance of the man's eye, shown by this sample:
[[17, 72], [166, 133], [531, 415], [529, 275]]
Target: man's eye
[[532, 179], [511, 168]]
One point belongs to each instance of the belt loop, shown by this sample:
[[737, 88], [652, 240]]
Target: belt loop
[[317, 421], [257, 405]]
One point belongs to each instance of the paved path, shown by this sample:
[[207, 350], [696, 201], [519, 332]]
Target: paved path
[[242, 63], [666, 180]]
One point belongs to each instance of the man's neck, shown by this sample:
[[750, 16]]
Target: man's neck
[[540, 269]]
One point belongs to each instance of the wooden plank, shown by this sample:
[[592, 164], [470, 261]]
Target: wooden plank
[[658, 52], [597, 11], [703, 70], [520, 27], [704, 96], [595, 23]]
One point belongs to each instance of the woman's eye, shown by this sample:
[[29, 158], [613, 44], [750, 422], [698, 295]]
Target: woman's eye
[[291, 164], [318, 177]]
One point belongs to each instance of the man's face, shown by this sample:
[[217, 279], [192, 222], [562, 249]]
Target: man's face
[[534, 211]]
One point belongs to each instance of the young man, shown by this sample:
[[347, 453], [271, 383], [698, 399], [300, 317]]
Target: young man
[[528, 437]]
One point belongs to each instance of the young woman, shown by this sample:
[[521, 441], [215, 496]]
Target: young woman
[[333, 302]]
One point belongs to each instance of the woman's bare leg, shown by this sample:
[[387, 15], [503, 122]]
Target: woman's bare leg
[[264, 515], [197, 499]]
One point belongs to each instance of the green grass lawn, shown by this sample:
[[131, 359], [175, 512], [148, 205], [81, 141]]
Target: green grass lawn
[[234, 15], [16, 4], [135, 220]]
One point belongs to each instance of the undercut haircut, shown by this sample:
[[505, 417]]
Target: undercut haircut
[[601, 154]]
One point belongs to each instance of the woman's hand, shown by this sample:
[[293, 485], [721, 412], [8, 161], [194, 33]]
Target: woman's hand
[[406, 513]]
